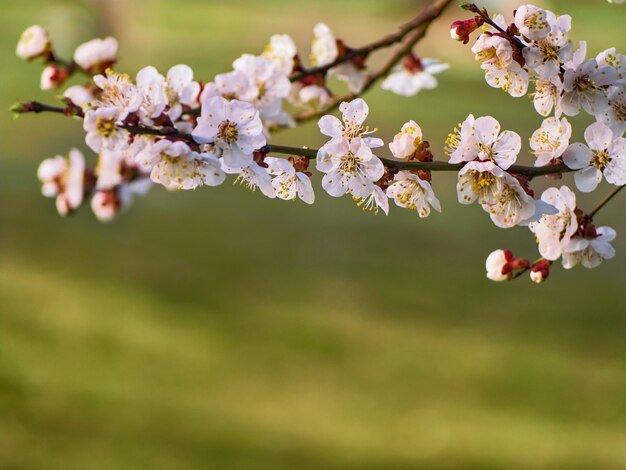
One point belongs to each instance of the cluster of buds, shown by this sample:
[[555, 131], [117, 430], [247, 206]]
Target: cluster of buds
[[174, 131]]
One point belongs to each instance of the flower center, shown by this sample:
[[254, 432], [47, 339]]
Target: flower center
[[228, 131], [106, 127], [600, 159], [584, 84], [482, 181], [487, 151], [620, 111], [548, 51], [349, 164]]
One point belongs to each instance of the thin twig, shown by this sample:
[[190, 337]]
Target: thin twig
[[606, 200], [366, 50], [428, 15]]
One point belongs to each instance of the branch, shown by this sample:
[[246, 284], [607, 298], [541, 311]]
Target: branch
[[364, 51], [606, 200], [426, 17], [173, 133]]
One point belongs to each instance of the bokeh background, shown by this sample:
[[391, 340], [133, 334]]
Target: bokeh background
[[217, 329]]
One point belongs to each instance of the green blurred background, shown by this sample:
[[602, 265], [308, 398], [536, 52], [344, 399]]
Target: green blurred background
[[217, 329]]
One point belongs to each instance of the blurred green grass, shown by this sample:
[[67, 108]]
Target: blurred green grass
[[219, 329]]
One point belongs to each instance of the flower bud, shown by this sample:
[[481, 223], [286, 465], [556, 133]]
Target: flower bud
[[34, 42], [540, 270], [53, 76], [461, 30], [96, 55], [496, 265]]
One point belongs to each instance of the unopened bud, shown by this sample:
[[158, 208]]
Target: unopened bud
[[461, 30], [540, 271], [53, 76]]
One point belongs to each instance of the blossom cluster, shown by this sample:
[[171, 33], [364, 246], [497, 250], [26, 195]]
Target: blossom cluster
[[535, 48], [173, 130], [206, 131]]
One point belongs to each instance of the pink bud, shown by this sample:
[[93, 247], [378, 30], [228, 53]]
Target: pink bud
[[461, 30]]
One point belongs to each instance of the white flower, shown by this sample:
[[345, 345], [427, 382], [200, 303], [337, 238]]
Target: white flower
[[281, 50], [554, 231], [547, 96], [272, 84], [583, 86], [513, 79], [233, 126], [324, 50], [406, 81], [234, 85], [376, 200], [64, 179], [605, 154], [481, 138], [615, 115], [479, 181], [97, 54], [495, 54], [589, 252], [495, 265], [512, 205], [80, 96], [546, 55], [118, 91], [532, 22], [154, 98], [102, 131], [617, 1], [289, 183], [34, 42], [407, 141], [181, 90], [324, 46], [354, 114], [493, 50], [176, 166], [313, 97], [252, 176], [350, 167], [610, 58], [550, 141], [410, 191]]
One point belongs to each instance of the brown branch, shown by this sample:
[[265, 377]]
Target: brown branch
[[426, 17], [364, 51], [171, 132]]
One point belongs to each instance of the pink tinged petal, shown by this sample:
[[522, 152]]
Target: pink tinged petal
[[587, 180], [354, 111], [598, 136], [615, 170], [577, 156], [607, 234], [576, 244], [373, 142], [358, 185], [465, 193], [333, 184], [570, 104], [603, 248], [305, 188], [374, 168], [506, 149], [330, 126], [234, 157], [487, 129]]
